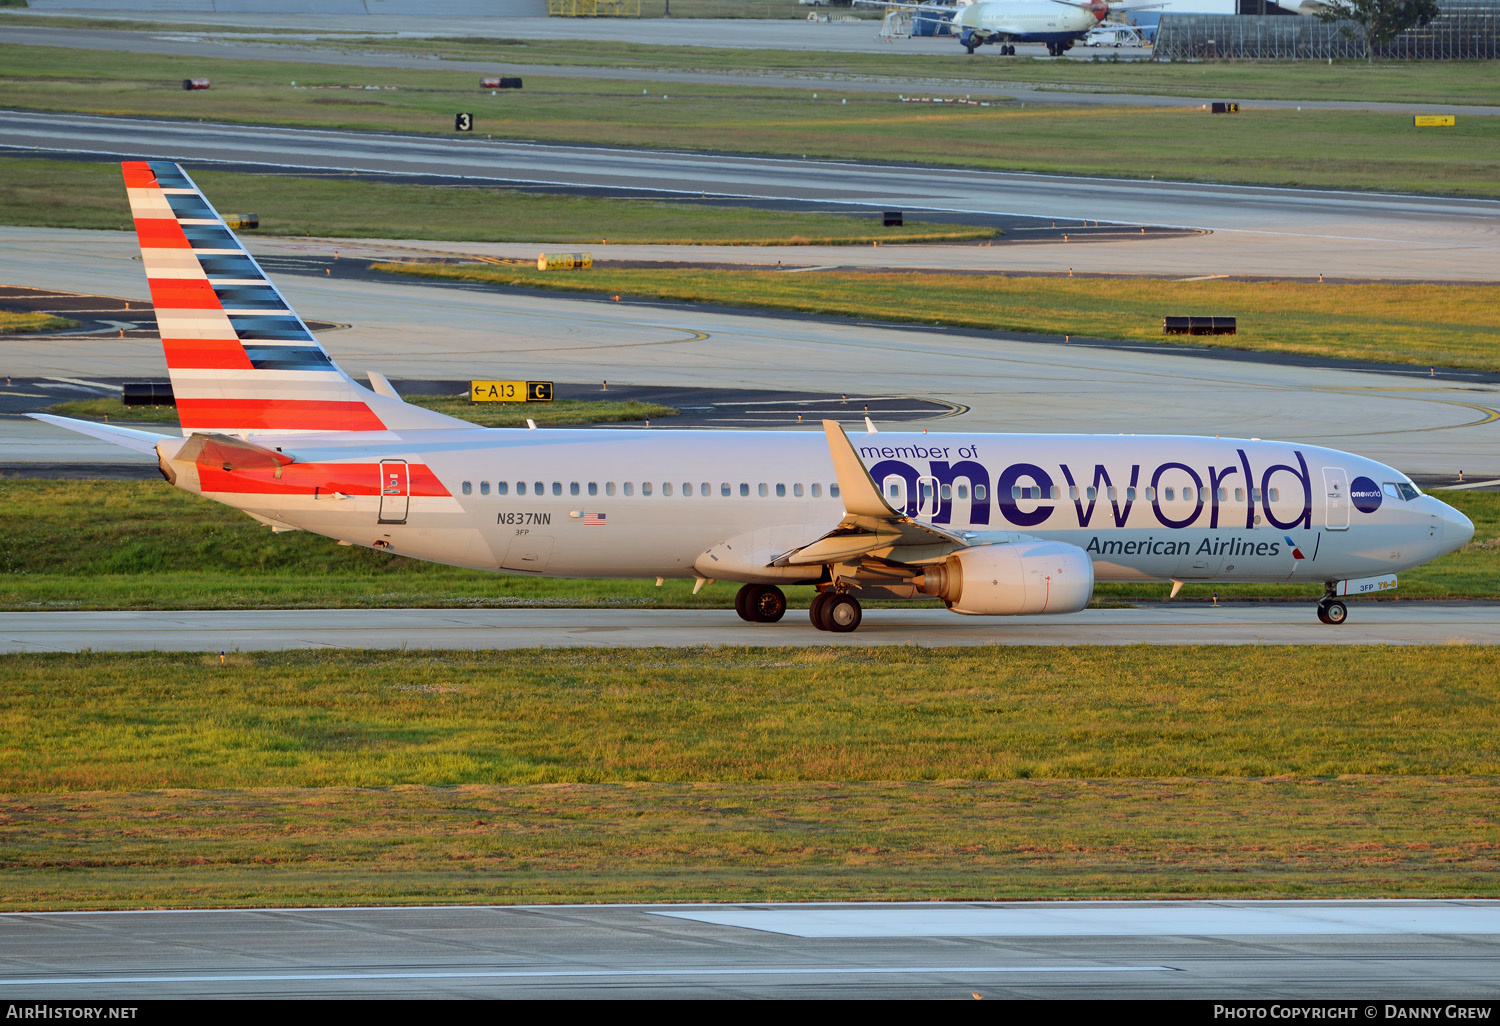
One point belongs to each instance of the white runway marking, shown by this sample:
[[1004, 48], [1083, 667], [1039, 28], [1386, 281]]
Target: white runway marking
[[1065, 920], [832, 970]]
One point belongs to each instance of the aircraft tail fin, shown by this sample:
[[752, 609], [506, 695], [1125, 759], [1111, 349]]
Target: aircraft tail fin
[[239, 357]]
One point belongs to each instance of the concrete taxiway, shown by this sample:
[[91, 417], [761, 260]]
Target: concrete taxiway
[[1226, 951], [1426, 425], [1185, 622]]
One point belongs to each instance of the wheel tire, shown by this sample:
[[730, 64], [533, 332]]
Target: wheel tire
[[742, 599], [768, 604], [1323, 612], [818, 608], [1337, 613], [842, 614]]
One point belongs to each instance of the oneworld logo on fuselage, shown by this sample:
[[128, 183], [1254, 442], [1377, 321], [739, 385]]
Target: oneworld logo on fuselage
[[933, 479]]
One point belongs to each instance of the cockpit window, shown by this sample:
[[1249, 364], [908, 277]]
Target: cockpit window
[[1403, 490]]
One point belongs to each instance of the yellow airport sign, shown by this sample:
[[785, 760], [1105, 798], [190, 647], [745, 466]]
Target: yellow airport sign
[[510, 391], [564, 261], [1433, 120]]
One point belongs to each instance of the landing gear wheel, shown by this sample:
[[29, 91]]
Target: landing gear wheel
[[767, 604], [742, 601], [1008, 51], [1332, 612], [842, 614], [819, 607]]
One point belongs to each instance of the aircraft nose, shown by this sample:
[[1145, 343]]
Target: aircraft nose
[[1458, 529]]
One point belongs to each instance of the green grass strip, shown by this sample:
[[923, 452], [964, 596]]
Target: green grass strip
[[556, 413], [1375, 150], [21, 323], [345, 208], [95, 544], [1276, 837], [746, 774], [1422, 325]]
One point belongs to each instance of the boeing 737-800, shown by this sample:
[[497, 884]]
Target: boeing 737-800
[[990, 524]]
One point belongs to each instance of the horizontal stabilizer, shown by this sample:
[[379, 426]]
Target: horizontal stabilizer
[[129, 438]]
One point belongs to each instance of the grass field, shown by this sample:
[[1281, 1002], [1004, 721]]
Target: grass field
[[346, 208], [96, 544], [20, 323], [1350, 149], [746, 775], [559, 412], [1425, 325]]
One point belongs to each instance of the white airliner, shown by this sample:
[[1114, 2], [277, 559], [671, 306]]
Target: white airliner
[[990, 524], [1058, 23]]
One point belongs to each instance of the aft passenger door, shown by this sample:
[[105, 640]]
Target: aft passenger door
[[395, 491], [1336, 492]]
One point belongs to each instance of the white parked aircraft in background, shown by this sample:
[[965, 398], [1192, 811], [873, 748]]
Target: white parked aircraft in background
[[1058, 23], [990, 524]]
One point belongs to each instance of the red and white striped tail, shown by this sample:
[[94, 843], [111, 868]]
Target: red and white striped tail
[[240, 358]]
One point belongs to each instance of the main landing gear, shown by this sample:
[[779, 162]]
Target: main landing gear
[[830, 611], [1331, 610], [835, 611], [760, 603]]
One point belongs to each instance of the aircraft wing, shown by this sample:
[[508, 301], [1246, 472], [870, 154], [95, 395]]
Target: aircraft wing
[[870, 525]]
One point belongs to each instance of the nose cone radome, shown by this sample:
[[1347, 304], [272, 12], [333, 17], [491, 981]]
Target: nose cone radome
[[1458, 530]]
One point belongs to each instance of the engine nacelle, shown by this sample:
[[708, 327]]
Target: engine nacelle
[[1013, 579]]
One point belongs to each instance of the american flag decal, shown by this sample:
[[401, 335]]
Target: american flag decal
[[593, 520]]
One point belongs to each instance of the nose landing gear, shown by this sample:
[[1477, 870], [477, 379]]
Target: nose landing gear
[[1331, 610]]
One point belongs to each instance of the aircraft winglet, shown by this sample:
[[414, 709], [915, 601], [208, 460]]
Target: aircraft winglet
[[860, 493]]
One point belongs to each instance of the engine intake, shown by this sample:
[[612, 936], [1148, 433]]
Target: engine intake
[[1013, 579]]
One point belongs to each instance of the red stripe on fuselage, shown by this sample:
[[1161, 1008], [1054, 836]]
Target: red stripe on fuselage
[[205, 354], [277, 415], [315, 479]]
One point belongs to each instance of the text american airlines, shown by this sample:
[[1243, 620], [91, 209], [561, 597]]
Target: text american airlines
[[989, 524]]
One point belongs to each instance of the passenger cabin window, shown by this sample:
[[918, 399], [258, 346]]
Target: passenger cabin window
[[744, 490], [726, 489], [981, 492], [1129, 494], [502, 487], [1150, 494], [666, 488], [780, 491], [1275, 495], [520, 487], [609, 488], [817, 491], [1167, 493], [629, 488], [593, 487], [1239, 495], [1111, 491], [763, 490], [541, 489], [468, 488], [797, 491], [645, 487], [1092, 493], [484, 488], [556, 487], [833, 491]]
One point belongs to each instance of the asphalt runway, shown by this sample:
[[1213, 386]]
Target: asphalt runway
[[1234, 951], [1183, 622]]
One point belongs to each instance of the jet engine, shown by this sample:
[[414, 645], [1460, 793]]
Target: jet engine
[[1012, 579]]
